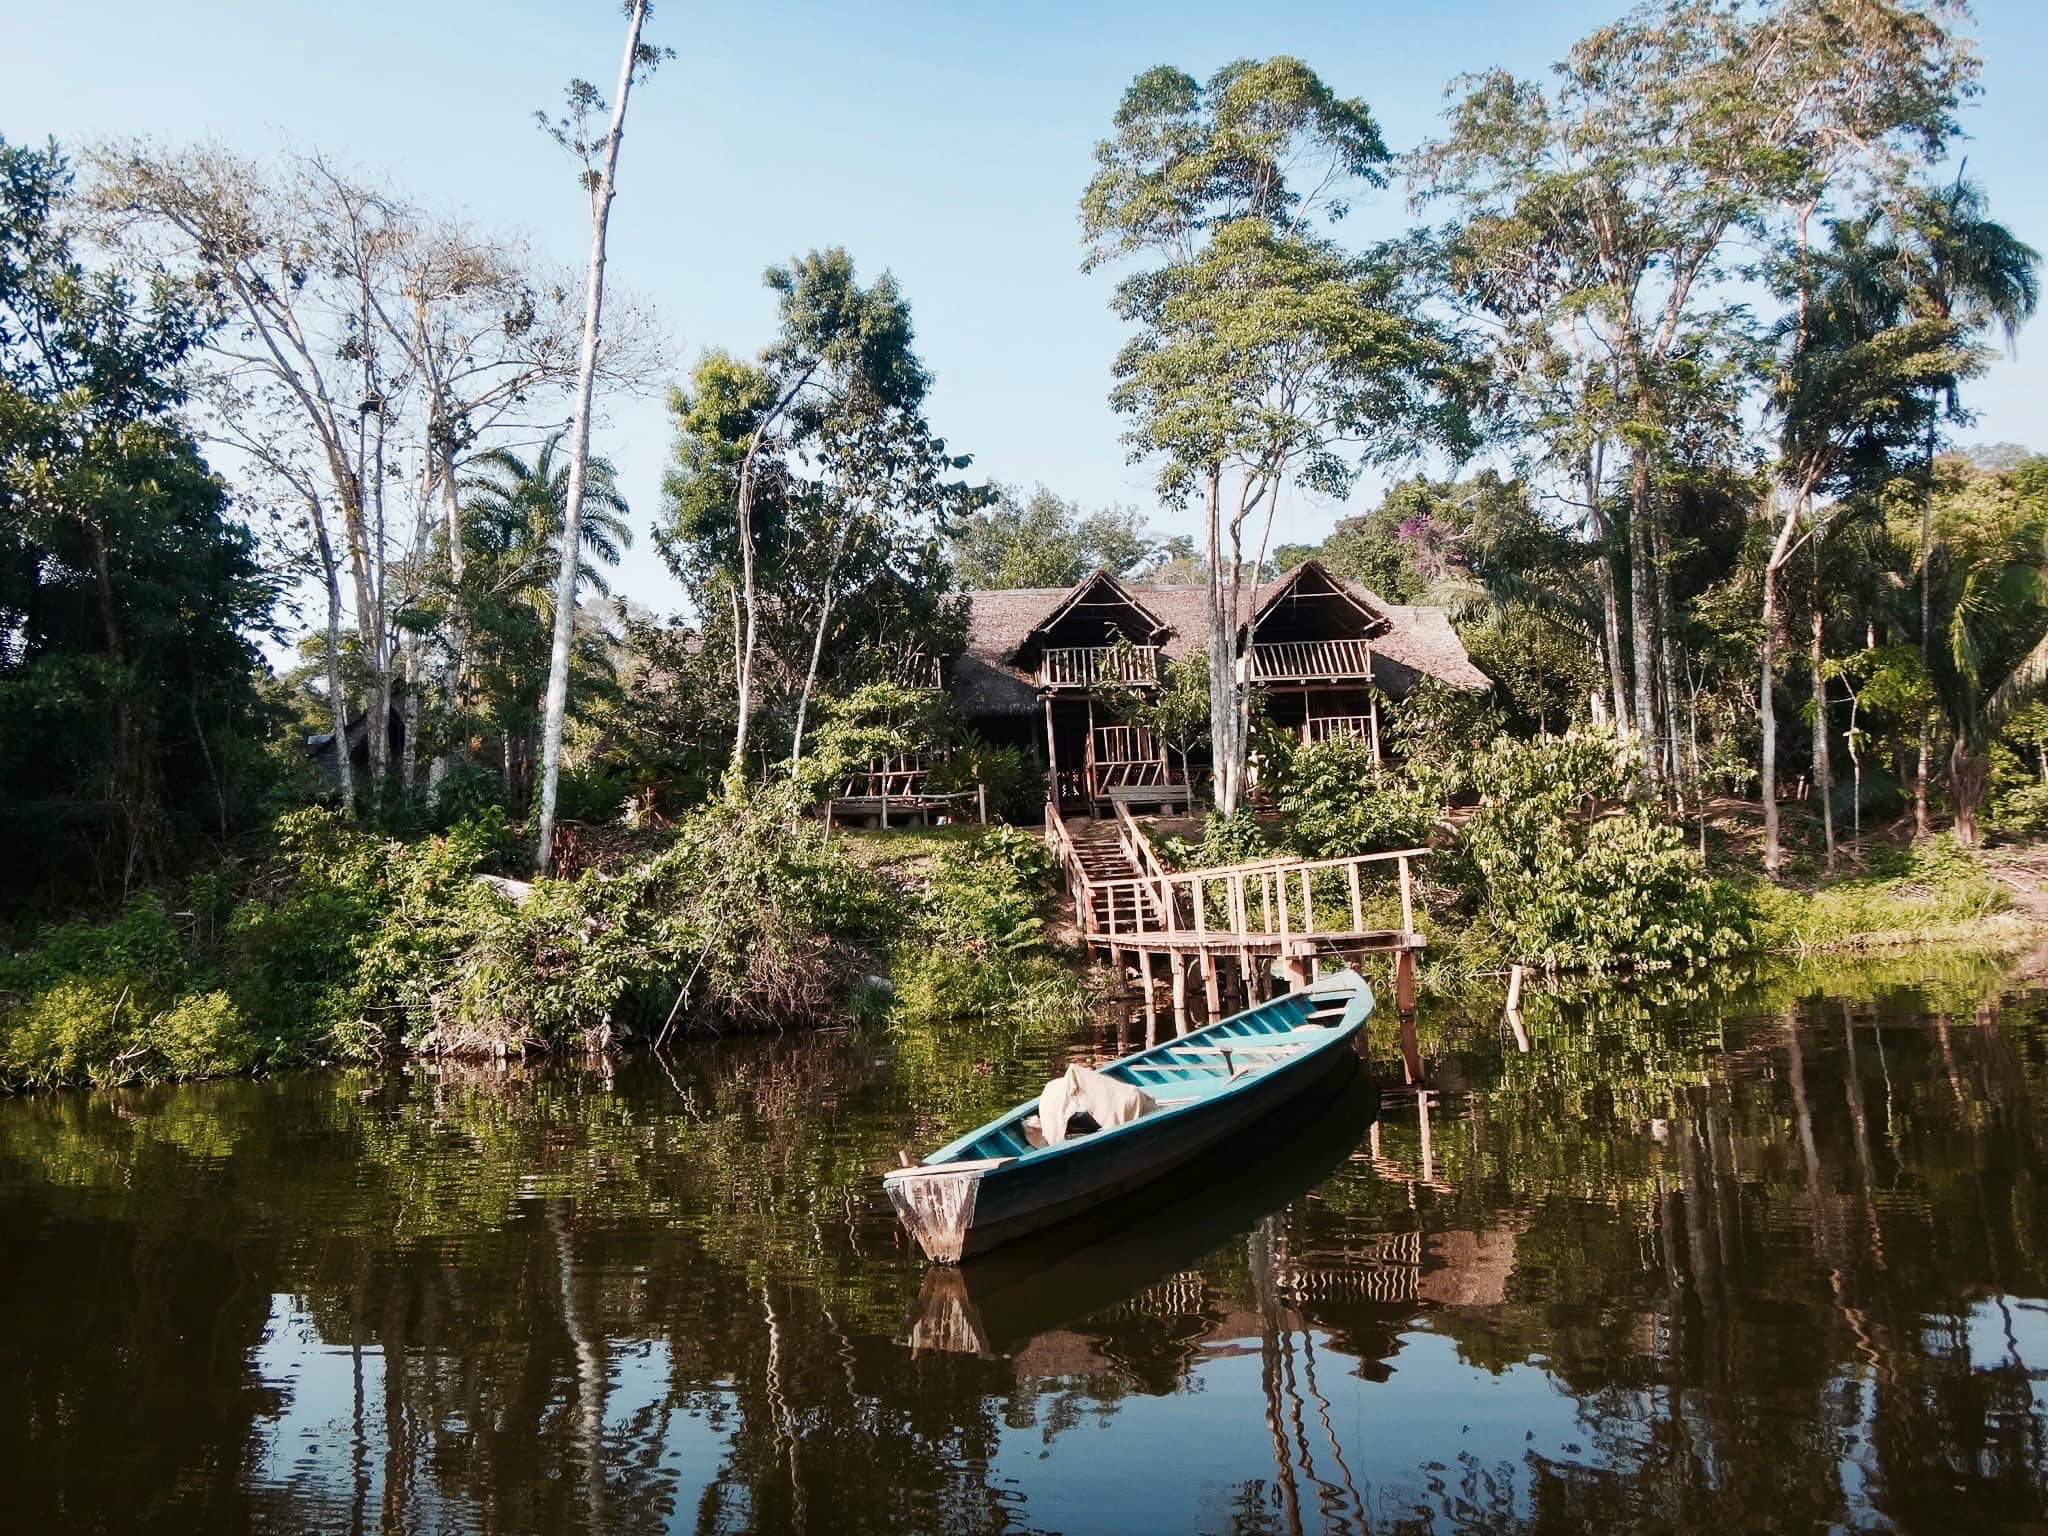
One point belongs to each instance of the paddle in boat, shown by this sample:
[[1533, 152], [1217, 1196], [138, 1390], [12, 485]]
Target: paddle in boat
[[1092, 1136]]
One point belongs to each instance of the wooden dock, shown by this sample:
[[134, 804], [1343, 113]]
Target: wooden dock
[[1232, 927]]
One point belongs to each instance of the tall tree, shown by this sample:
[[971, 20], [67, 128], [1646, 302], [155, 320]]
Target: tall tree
[[840, 349], [1830, 95], [1263, 353], [1857, 366], [1965, 269], [599, 159], [127, 593], [1043, 540]]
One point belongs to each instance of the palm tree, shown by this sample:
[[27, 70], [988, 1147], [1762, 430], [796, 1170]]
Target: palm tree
[[513, 511], [1996, 651], [512, 517], [1961, 267]]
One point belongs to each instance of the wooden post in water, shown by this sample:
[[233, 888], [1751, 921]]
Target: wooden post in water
[[1514, 1008], [1404, 1006], [1151, 1000], [1180, 992]]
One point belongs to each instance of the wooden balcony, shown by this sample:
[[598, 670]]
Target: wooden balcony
[[1328, 727], [1309, 661], [1084, 666]]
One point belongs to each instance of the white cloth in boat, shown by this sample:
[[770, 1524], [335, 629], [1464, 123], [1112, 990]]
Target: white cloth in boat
[[1081, 1090]]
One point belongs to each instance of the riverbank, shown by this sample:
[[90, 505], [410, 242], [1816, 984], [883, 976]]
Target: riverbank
[[340, 944]]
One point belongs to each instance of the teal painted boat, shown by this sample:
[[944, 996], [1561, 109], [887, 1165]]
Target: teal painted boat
[[1000, 1181]]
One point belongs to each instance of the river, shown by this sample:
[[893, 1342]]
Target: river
[[1766, 1254]]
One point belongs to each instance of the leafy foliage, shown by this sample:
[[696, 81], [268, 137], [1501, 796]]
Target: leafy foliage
[[1337, 802], [979, 948], [1575, 869]]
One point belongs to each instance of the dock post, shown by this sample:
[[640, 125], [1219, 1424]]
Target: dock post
[[1296, 961], [1211, 993], [1151, 998], [1180, 994], [1116, 971], [1404, 1005]]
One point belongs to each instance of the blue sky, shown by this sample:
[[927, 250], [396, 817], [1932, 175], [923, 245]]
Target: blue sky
[[947, 142]]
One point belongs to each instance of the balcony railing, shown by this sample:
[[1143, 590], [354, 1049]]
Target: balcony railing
[[1309, 660], [1327, 727], [1083, 666]]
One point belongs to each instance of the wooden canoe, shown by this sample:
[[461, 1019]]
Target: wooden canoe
[[993, 1184]]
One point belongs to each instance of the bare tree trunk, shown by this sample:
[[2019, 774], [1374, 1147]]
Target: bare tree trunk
[[1610, 645], [409, 753], [1967, 773], [379, 630], [557, 703], [1641, 596], [337, 696], [1668, 663], [750, 607], [803, 702], [1767, 715], [1223, 754], [1823, 766], [1926, 637]]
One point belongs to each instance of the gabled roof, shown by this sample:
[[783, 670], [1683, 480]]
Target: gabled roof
[[1312, 569], [985, 679], [1097, 581]]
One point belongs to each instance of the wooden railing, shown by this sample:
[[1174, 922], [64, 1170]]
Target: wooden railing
[[1329, 727], [1260, 900], [1083, 666], [1306, 660], [1269, 899]]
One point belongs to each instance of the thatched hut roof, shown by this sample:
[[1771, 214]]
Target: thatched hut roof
[[985, 679]]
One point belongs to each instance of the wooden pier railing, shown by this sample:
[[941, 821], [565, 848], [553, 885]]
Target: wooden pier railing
[[1261, 910]]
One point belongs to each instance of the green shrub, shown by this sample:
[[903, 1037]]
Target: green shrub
[[593, 796], [203, 1035], [66, 1032], [1339, 802], [1239, 838], [1015, 785], [747, 917], [989, 895], [1575, 871], [467, 789], [978, 948]]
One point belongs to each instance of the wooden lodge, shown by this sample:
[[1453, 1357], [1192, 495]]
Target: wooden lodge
[[1323, 651]]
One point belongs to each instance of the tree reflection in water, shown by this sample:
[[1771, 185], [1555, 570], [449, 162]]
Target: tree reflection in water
[[1766, 1255]]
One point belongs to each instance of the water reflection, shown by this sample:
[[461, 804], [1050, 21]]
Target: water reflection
[[1770, 1257]]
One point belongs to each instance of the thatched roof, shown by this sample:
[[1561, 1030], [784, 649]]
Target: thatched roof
[[985, 680]]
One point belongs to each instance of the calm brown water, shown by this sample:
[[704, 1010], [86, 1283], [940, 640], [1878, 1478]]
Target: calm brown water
[[1768, 1259]]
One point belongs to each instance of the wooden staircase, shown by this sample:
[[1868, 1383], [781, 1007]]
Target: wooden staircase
[[1102, 858]]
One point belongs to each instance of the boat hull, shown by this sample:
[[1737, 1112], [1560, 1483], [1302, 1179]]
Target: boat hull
[[959, 1210]]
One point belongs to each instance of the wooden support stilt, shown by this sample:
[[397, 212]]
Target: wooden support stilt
[[1116, 969], [1404, 1005], [1151, 999], [1180, 994], [1211, 992], [1296, 961]]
